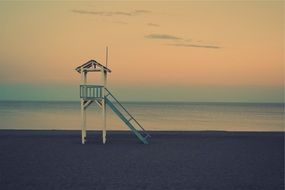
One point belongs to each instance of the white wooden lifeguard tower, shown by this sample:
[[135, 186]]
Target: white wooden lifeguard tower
[[102, 96]]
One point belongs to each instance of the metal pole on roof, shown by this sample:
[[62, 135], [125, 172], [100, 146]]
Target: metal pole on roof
[[107, 56]]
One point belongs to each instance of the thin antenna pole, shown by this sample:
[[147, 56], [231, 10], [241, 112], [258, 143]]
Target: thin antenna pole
[[107, 56]]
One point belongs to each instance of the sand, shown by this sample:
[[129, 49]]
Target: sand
[[46, 160]]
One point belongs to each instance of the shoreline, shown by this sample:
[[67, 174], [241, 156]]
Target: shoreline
[[150, 131]]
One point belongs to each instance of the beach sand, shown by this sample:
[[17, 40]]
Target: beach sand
[[46, 160]]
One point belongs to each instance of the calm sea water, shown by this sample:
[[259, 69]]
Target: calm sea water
[[153, 116]]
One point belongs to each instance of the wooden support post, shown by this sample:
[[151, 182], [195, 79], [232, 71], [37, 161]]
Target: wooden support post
[[83, 122], [83, 109], [104, 77]]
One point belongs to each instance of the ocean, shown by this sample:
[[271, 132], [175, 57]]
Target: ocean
[[158, 116]]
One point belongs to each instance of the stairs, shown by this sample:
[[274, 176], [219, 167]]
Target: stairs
[[125, 116]]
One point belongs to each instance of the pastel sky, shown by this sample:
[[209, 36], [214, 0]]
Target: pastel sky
[[221, 51]]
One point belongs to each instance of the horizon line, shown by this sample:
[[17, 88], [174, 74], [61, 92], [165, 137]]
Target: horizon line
[[143, 101]]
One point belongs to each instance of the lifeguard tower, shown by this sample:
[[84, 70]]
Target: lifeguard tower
[[100, 95]]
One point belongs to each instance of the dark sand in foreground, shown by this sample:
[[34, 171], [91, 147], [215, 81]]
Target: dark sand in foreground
[[46, 160]]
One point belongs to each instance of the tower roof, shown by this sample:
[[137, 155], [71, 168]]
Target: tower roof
[[92, 65]]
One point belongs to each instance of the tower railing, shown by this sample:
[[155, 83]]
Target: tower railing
[[88, 92]]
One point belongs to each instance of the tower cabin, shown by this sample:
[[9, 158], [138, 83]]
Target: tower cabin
[[99, 94]]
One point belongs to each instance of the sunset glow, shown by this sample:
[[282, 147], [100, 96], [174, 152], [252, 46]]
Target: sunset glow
[[162, 47]]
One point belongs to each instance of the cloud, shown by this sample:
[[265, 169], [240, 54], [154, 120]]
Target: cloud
[[111, 13], [181, 42], [162, 36], [87, 12], [152, 24], [195, 45], [142, 11]]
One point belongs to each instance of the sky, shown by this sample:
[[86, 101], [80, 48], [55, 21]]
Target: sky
[[197, 51]]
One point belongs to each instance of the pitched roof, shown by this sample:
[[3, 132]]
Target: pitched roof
[[90, 64]]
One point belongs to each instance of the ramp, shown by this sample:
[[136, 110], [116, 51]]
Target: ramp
[[126, 117]]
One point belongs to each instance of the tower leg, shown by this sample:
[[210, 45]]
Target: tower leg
[[83, 122], [104, 82], [83, 109], [104, 120]]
